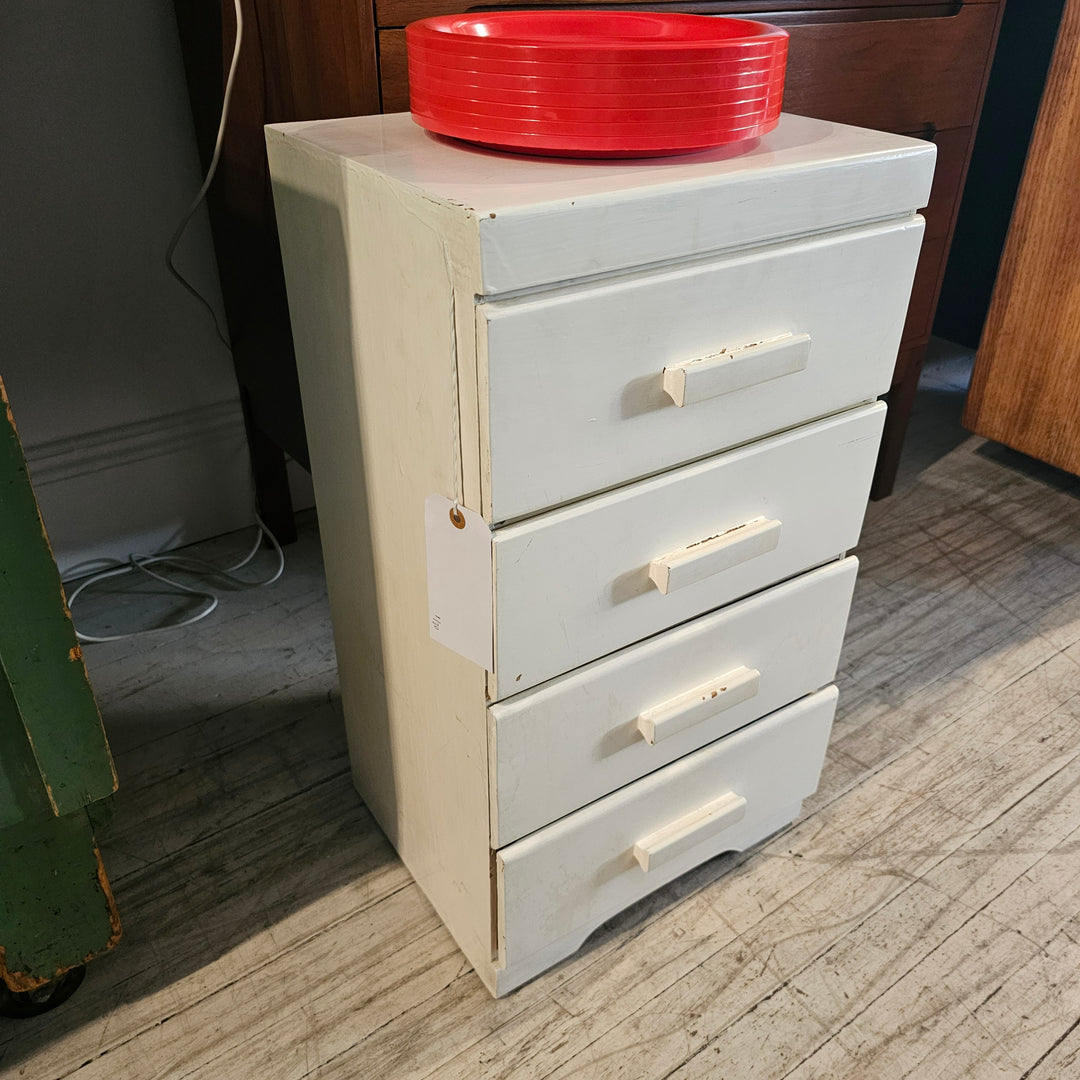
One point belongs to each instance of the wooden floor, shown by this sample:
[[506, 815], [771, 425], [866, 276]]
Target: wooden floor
[[922, 919]]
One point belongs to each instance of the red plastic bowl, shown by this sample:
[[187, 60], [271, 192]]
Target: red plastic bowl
[[585, 36], [570, 63], [652, 83], [620, 83], [703, 115], [584, 127], [547, 145]]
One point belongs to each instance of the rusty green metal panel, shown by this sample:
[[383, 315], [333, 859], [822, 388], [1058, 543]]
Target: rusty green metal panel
[[44, 674], [56, 908], [22, 791]]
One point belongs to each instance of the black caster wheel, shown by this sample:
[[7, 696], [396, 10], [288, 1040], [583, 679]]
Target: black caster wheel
[[23, 1004]]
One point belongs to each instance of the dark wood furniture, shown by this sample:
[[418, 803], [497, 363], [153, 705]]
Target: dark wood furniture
[[897, 65]]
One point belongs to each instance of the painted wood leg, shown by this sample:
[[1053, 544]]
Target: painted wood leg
[[56, 908], [271, 478]]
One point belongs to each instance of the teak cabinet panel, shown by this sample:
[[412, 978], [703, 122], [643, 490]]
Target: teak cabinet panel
[[402, 12], [1026, 387]]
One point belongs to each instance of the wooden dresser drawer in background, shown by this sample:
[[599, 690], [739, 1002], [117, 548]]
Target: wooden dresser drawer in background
[[579, 737], [900, 75], [393, 71], [390, 13], [948, 179]]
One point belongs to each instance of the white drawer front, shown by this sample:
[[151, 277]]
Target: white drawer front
[[579, 583], [569, 742], [559, 884], [583, 383]]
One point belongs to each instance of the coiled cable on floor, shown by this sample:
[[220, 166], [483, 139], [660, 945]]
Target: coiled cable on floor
[[187, 564]]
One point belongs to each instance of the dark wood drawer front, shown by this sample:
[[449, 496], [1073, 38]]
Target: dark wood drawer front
[[952, 159], [393, 71], [394, 13], [903, 75], [952, 148], [893, 74], [924, 291]]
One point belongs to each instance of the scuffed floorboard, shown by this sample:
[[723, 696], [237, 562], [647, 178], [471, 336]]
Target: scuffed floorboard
[[921, 920]]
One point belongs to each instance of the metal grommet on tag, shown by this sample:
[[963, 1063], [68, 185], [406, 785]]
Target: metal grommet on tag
[[457, 518]]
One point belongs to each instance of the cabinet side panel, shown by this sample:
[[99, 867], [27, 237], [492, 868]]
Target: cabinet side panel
[[1025, 391], [372, 275]]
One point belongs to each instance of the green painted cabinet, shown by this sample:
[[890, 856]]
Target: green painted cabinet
[[56, 908]]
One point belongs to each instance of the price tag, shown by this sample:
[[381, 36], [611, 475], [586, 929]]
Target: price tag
[[459, 580]]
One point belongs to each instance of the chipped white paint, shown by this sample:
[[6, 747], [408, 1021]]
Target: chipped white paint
[[703, 558], [549, 220], [577, 378], [735, 369], [699, 704]]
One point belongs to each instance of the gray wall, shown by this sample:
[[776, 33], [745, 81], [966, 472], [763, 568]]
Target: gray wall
[[124, 397]]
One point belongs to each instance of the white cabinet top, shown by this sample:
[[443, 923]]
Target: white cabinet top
[[543, 220]]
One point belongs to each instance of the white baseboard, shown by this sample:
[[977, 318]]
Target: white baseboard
[[148, 486]]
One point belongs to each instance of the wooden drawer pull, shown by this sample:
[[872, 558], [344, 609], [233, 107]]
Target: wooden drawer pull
[[692, 564], [735, 369], [697, 705], [665, 844]]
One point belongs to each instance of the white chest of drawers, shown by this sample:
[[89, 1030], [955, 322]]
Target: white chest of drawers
[[655, 381]]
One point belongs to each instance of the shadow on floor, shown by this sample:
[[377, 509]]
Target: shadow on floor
[[1031, 467], [935, 427], [236, 833]]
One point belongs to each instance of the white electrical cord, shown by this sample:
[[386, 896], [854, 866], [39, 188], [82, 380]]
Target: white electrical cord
[[190, 565], [170, 251], [187, 563]]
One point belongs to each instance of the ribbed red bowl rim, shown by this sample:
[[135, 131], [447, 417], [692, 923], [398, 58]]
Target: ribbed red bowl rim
[[727, 33]]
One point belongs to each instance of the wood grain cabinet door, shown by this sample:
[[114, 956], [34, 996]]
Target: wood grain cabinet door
[[1026, 388]]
